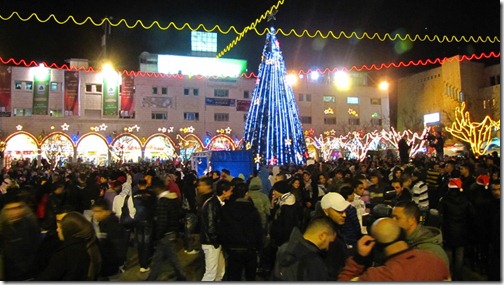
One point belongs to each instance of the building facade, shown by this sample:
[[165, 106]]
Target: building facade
[[440, 90]]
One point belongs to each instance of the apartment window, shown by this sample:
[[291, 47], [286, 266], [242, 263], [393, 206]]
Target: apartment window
[[186, 91], [221, 93], [154, 90], [305, 120], [191, 116], [352, 100], [376, 122], [308, 97], [195, 91], [246, 94], [164, 90], [375, 101], [93, 88], [330, 121], [353, 121], [495, 80], [22, 112], [23, 85], [221, 117], [159, 115], [329, 99], [55, 86], [301, 97]]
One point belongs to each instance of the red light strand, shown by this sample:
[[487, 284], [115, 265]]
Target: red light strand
[[420, 62]]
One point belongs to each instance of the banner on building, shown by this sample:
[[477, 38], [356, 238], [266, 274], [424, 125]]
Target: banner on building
[[157, 102], [127, 93], [5, 91], [220, 102], [110, 94], [242, 105], [41, 91], [71, 93]]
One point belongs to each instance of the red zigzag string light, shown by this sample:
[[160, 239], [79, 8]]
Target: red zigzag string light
[[492, 54]]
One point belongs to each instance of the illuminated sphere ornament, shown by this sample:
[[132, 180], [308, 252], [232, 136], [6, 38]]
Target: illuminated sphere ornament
[[273, 119]]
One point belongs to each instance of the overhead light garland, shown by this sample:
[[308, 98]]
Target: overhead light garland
[[292, 32]]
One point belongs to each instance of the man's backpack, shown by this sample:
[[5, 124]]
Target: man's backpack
[[290, 266], [126, 220]]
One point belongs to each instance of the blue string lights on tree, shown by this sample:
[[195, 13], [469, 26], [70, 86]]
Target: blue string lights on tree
[[273, 129]]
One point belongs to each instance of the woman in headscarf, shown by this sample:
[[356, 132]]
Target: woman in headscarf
[[78, 258]]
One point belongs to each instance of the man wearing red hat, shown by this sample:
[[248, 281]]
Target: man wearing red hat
[[456, 213]]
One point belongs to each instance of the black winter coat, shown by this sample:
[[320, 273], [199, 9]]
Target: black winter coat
[[167, 215], [456, 216], [241, 225], [113, 241], [70, 262], [211, 214]]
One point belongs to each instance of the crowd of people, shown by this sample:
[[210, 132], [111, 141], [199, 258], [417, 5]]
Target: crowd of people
[[383, 218]]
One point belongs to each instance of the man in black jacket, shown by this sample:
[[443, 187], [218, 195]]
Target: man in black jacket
[[112, 237], [210, 222], [166, 219], [300, 258], [144, 200], [241, 235]]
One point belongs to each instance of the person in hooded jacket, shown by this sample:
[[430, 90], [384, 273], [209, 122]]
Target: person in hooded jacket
[[407, 215], [241, 235]]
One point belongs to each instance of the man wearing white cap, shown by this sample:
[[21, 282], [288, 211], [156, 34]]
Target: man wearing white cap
[[333, 205]]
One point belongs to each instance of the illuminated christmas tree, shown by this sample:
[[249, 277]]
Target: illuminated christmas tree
[[273, 130]]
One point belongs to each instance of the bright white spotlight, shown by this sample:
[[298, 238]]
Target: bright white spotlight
[[384, 85], [291, 79], [342, 80], [314, 75]]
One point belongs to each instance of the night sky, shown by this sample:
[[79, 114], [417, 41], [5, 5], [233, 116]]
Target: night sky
[[54, 43]]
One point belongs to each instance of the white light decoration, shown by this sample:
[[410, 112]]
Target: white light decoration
[[342, 80], [65, 127], [19, 127], [103, 127], [328, 111], [288, 142], [170, 130], [314, 75], [257, 101], [228, 130]]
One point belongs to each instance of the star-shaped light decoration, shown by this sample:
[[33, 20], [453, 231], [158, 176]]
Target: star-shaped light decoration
[[248, 145], [221, 131], [311, 132], [103, 127], [65, 127], [19, 127], [326, 133], [306, 133], [333, 132], [328, 111], [288, 142], [257, 101], [257, 158], [190, 129], [170, 129], [136, 127], [273, 160], [228, 130]]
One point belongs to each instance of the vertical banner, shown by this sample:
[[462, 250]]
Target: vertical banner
[[41, 91], [110, 93], [71, 93], [5, 91], [127, 93]]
